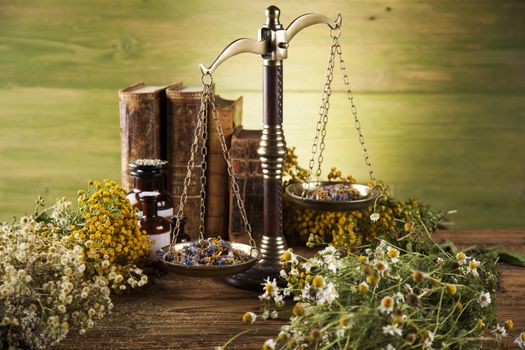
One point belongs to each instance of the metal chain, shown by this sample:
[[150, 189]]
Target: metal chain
[[323, 116], [191, 162], [354, 109], [201, 132], [235, 187], [206, 93], [326, 99]]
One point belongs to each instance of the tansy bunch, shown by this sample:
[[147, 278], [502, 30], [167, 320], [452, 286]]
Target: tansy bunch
[[409, 295], [45, 289], [386, 218], [107, 227]]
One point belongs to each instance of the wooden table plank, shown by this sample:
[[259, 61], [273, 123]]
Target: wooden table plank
[[179, 312]]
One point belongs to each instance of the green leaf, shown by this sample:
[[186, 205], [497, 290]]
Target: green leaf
[[512, 258]]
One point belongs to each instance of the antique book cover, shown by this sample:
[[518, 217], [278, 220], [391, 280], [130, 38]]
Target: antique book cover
[[248, 172], [183, 105], [218, 194], [182, 109], [142, 115]]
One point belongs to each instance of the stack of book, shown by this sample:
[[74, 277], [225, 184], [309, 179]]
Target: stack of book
[[159, 122]]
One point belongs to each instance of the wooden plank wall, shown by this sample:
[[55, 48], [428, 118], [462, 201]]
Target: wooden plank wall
[[439, 85]]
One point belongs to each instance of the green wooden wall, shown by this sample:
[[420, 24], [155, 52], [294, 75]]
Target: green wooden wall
[[439, 86]]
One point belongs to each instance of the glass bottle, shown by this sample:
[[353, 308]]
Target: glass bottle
[[148, 177], [157, 228]]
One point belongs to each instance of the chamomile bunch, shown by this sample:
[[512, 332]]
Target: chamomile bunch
[[410, 294], [45, 290]]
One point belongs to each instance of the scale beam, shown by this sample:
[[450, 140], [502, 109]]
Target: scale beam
[[273, 38], [310, 19], [239, 46]]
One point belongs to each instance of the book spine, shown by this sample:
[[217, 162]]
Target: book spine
[[182, 110], [248, 172], [217, 201], [140, 126]]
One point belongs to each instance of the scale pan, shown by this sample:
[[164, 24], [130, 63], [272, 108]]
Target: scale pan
[[295, 194], [207, 270]]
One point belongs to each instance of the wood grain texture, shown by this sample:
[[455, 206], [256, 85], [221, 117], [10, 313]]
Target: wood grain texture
[[186, 313], [439, 86]]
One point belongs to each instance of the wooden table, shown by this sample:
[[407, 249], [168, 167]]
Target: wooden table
[[187, 313]]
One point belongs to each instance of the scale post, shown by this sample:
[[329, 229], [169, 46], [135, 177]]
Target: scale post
[[272, 45]]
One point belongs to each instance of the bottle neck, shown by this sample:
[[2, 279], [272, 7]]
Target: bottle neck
[[149, 206]]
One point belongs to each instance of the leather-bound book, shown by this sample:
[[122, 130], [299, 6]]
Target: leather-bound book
[[218, 194], [182, 111], [183, 105], [142, 115], [248, 172]]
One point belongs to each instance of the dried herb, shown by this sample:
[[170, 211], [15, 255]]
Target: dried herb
[[336, 193], [210, 252]]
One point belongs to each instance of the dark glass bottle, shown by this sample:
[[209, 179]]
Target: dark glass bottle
[[157, 228], [148, 177]]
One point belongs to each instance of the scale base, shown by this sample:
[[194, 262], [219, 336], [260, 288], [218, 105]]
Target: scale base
[[272, 248]]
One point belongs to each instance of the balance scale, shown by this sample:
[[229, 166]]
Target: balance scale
[[272, 45]]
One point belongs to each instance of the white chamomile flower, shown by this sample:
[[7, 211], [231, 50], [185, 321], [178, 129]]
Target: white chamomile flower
[[307, 267], [387, 305], [283, 274], [265, 315], [363, 287], [327, 295], [334, 265], [390, 347], [274, 314], [249, 317], [484, 299], [270, 287], [399, 297], [381, 248], [473, 267], [305, 293], [264, 297], [279, 301], [428, 338], [499, 332], [269, 344], [520, 340], [374, 217], [392, 329], [330, 250], [393, 254], [462, 258], [381, 267]]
